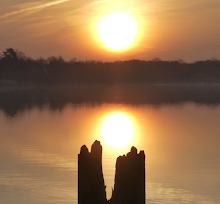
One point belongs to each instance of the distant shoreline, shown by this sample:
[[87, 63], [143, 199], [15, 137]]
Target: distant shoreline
[[8, 87], [16, 70]]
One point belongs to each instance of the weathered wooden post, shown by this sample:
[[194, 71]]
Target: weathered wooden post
[[91, 187], [130, 179], [129, 185]]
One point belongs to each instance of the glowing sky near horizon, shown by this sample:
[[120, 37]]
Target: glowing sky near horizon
[[169, 29]]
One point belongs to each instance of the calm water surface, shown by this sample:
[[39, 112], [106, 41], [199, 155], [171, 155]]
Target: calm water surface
[[39, 148]]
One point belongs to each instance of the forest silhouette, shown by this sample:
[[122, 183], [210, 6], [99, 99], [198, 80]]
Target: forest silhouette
[[16, 68]]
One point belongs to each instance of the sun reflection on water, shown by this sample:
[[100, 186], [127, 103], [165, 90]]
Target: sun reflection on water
[[117, 130]]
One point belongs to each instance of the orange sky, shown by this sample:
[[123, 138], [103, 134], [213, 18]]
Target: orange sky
[[168, 29]]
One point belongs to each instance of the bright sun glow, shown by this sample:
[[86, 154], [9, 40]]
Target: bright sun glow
[[118, 130], [117, 31]]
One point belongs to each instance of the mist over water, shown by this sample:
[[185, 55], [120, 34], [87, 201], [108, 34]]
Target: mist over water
[[42, 130]]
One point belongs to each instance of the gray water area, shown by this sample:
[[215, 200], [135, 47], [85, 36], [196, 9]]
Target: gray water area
[[41, 133]]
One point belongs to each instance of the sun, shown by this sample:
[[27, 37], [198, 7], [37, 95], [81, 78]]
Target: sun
[[118, 30], [117, 130]]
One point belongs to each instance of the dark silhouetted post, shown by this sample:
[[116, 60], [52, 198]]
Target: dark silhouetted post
[[91, 187], [130, 179]]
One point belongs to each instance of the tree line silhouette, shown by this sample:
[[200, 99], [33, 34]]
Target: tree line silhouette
[[15, 66]]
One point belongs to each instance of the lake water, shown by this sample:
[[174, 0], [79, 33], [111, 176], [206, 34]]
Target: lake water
[[40, 142]]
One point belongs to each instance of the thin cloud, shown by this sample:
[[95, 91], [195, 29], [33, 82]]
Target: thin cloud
[[95, 3], [52, 3], [89, 5]]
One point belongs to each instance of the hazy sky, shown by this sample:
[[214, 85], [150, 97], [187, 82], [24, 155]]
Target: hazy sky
[[168, 29]]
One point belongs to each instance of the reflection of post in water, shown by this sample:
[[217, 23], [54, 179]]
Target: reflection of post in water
[[129, 185]]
